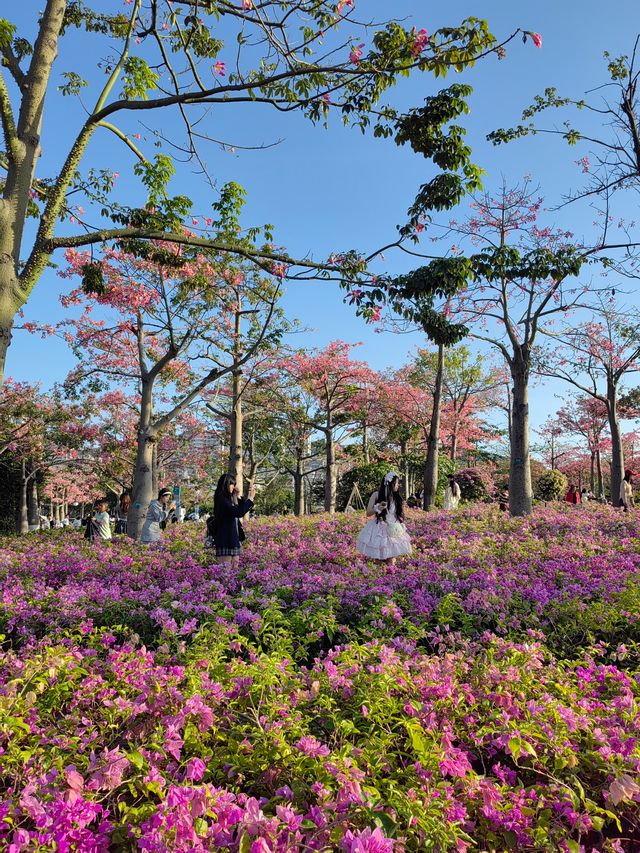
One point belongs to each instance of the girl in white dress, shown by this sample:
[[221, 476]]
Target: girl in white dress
[[385, 537], [452, 494]]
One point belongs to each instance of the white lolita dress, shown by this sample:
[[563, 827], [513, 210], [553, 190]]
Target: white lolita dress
[[383, 540]]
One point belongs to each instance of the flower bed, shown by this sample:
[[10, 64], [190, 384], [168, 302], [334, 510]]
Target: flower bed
[[152, 701]]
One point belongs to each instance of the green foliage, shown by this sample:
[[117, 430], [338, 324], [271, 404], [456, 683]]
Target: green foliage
[[550, 486], [7, 32], [138, 79], [156, 176], [368, 478], [73, 85], [92, 279], [229, 208], [278, 498]]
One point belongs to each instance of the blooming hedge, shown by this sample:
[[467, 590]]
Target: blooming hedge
[[481, 695]]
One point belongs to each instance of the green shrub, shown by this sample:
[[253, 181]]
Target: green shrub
[[550, 486]]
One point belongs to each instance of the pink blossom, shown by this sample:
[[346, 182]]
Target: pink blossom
[[355, 54], [219, 68], [536, 38]]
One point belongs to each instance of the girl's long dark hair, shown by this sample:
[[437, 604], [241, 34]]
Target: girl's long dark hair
[[222, 489], [386, 493]]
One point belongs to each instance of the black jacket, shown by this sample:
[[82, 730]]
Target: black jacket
[[226, 514]]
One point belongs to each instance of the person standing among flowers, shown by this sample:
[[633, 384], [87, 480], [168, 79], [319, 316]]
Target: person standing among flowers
[[573, 495], [101, 522], [228, 508], [385, 537], [452, 494], [626, 491], [156, 519]]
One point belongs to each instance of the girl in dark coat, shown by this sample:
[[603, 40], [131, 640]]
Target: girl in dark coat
[[228, 507]]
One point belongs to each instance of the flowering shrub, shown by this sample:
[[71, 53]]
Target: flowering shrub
[[475, 484], [313, 701]]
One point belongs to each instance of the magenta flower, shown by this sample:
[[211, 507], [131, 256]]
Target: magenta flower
[[312, 747]]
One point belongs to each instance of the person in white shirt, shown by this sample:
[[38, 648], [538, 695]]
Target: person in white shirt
[[157, 514], [626, 491], [452, 494], [101, 522]]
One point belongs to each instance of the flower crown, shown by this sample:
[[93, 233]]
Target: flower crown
[[391, 475]]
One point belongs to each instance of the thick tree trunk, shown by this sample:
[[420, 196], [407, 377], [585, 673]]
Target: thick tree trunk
[[453, 450], [617, 452], [520, 492], [592, 472], [298, 485], [235, 440], [144, 489], [155, 470], [430, 481], [8, 307], [32, 505], [599, 470], [330, 475]]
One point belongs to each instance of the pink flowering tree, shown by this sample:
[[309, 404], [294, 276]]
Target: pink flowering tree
[[59, 437], [595, 357], [161, 326], [501, 294], [334, 382], [588, 417], [182, 63]]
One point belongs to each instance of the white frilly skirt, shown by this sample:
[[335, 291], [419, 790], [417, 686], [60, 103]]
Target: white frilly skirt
[[380, 540]]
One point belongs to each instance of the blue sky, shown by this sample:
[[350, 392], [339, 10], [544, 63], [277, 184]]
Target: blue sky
[[329, 190]]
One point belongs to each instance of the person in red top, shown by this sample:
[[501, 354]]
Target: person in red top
[[573, 495]]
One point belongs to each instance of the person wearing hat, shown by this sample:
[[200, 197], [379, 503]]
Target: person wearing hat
[[385, 537], [157, 515], [626, 491]]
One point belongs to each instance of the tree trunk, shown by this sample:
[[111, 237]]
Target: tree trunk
[[431, 466], [144, 489], [405, 468], [235, 440], [8, 307], [520, 492], [155, 470], [592, 473], [617, 452], [32, 505], [23, 511], [365, 443], [330, 476], [298, 484], [599, 470], [453, 451]]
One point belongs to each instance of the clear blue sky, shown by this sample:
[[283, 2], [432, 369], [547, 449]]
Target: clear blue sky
[[327, 190]]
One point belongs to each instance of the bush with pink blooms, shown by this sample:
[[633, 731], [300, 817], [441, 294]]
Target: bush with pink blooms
[[483, 694]]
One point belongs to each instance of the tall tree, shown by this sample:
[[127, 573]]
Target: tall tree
[[179, 60], [595, 357], [334, 380], [164, 326]]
